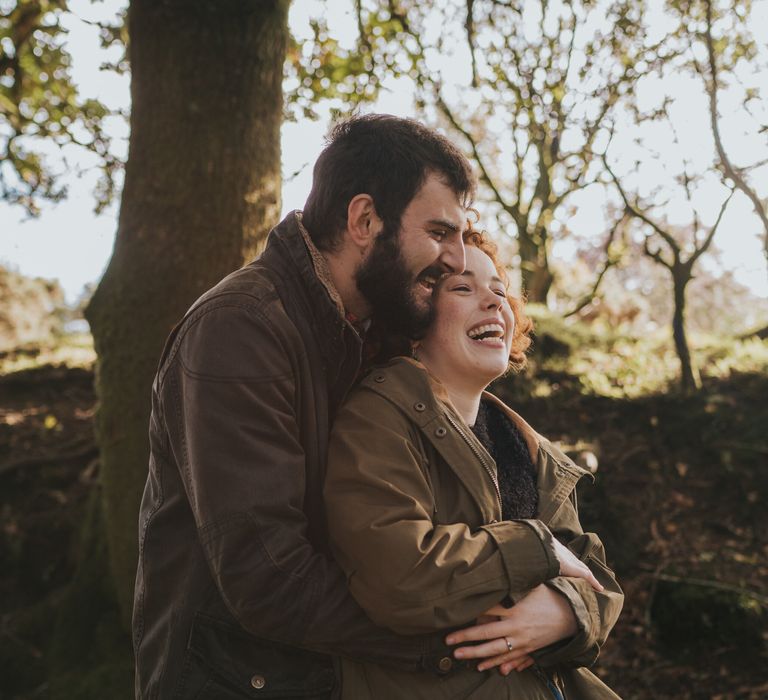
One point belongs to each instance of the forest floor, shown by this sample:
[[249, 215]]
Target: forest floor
[[679, 500]]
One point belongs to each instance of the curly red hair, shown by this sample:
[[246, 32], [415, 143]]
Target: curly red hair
[[521, 339]]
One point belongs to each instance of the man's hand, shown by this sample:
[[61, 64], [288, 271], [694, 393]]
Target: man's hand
[[571, 565], [541, 618]]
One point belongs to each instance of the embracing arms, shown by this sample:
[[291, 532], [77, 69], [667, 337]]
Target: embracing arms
[[408, 569], [232, 409]]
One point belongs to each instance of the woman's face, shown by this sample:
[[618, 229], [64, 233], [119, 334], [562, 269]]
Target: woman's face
[[471, 336]]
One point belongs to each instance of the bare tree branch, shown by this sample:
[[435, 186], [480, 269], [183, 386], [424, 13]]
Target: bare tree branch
[[708, 240], [635, 211], [469, 26], [610, 261], [729, 169]]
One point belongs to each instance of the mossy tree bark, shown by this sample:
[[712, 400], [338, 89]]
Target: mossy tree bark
[[202, 189]]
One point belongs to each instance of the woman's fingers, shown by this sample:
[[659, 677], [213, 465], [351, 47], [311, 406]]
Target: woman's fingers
[[496, 647], [571, 565], [477, 633], [511, 658]]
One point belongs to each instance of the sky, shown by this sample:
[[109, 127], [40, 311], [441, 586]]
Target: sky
[[70, 231]]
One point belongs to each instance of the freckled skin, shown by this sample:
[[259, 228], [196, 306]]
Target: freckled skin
[[462, 302]]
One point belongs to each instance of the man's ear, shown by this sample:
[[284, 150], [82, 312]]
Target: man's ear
[[363, 223]]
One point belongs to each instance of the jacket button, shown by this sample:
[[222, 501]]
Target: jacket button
[[379, 378], [441, 432], [419, 406], [258, 682], [492, 521], [445, 664]]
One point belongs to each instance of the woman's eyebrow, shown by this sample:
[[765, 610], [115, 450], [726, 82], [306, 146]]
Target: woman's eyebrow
[[469, 273]]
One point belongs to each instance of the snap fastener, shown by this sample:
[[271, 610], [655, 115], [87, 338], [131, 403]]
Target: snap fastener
[[419, 406], [492, 521], [379, 378], [445, 664], [441, 432], [258, 682]]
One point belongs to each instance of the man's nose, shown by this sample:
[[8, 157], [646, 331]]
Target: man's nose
[[453, 256]]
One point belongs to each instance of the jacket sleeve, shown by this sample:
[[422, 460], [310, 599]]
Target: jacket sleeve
[[230, 403], [596, 612], [407, 571]]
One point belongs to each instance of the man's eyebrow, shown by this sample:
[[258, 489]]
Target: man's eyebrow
[[444, 223]]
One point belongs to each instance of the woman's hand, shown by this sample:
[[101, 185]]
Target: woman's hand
[[571, 565], [541, 618]]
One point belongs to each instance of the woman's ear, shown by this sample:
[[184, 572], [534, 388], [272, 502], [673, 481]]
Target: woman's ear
[[363, 223]]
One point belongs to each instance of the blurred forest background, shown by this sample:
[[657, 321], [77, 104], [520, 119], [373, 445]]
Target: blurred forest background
[[622, 149]]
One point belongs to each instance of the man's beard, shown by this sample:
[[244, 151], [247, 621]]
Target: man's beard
[[386, 283]]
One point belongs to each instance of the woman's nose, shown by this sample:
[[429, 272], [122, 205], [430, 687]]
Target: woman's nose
[[491, 300]]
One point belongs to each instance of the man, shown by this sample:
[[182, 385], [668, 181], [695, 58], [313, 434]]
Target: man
[[234, 580]]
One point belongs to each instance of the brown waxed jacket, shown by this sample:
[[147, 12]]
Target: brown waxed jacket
[[414, 517], [234, 575]]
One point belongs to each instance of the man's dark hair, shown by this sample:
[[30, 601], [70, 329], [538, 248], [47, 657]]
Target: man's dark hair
[[386, 157]]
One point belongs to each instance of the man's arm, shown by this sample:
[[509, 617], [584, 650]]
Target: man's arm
[[229, 400]]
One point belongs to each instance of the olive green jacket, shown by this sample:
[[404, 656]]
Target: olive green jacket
[[415, 521]]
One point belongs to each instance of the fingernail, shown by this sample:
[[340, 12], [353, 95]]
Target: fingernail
[[459, 654], [450, 640]]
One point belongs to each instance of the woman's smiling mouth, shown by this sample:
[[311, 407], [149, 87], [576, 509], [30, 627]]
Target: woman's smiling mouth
[[491, 334]]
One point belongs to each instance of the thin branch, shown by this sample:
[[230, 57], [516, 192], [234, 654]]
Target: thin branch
[[610, 261], [708, 240], [728, 167], [469, 25], [634, 211], [448, 113]]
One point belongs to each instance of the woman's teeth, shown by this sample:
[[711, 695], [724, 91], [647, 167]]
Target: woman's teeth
[[486, 332]]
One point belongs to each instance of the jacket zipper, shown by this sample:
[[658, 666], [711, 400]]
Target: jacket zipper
[[479, 456]]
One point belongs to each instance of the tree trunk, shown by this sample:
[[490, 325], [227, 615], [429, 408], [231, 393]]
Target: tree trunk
[[537, 278], [689, 378], [202, 189]]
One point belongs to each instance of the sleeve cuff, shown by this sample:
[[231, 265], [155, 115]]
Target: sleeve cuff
[[581, 649], [527, 552]]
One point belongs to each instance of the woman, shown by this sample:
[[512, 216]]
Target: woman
[[433, 532]]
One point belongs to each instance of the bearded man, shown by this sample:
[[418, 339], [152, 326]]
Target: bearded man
[[236, 592]]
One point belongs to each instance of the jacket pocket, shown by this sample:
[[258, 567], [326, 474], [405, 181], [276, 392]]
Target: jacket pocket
[[226, 663]]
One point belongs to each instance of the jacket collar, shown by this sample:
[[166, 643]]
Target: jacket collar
[[302, 277], [410, 386]]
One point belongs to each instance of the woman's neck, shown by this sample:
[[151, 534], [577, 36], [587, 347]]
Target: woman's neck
[[466, 403], [464, 398]]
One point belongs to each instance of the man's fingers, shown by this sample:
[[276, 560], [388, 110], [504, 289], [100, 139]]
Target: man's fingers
[[518, 665], [496, 611]]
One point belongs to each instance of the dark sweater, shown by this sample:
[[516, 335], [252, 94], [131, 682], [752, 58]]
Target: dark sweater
[[516, 471]]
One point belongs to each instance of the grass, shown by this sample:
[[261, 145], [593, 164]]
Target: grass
[[605, 363], [71, 350]]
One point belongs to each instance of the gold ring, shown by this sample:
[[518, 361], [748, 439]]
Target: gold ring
[[509, 644]]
